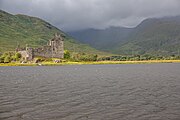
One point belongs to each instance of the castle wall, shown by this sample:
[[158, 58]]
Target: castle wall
[[45, 51], [24, 54], [54, 49], [27, 54]]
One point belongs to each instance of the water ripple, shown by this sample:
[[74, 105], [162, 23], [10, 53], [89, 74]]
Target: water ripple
[[90, 92]]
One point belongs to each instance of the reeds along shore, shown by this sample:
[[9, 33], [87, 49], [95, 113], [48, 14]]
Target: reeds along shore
[[83, 63]]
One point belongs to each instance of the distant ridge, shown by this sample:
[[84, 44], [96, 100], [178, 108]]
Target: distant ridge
[[102, 39], [160, 36]]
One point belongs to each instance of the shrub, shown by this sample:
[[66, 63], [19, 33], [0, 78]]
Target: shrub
[[90, 57], [7, 59]]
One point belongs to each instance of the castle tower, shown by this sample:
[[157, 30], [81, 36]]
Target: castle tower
[[57, 46]]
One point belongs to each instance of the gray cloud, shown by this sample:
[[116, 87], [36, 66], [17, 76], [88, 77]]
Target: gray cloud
[[80, 14]]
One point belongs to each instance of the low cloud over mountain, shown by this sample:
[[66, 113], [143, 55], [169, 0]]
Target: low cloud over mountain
[[81, 14]]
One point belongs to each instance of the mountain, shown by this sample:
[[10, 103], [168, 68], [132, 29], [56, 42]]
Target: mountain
[[102, 39], [160, 36], [153, 36], [23, 29]]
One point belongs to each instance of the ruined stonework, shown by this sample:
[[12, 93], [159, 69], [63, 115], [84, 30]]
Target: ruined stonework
[[54, 49]]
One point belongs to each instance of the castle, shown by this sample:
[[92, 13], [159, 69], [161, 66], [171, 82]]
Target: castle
[[54, 49]]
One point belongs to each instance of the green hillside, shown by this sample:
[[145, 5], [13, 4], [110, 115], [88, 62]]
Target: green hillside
[[157, 36], [153, 36], [22, 29]]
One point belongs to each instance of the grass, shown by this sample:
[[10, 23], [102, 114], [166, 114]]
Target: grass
[[22, 30], [90, 63]]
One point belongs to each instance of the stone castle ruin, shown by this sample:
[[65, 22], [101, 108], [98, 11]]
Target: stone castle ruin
[[54, 49]]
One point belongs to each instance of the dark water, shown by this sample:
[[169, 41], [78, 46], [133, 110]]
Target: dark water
[[91, 92]]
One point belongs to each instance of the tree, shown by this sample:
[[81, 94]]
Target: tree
[[67, 54], [1, 59], [5, 54], [17, 56]]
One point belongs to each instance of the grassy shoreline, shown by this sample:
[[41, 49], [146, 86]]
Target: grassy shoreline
[[90, 63]]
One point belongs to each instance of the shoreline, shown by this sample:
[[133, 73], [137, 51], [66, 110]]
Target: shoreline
[[90, 63]]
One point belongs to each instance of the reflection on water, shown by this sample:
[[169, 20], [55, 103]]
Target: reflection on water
[[90, 92]]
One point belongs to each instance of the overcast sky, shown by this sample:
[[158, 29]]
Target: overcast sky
[[71, 15]]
